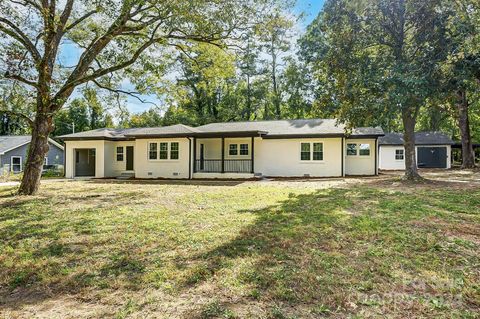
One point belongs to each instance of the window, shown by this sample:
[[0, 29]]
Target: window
[[163, 151], [318, 151], [351, 149], [399, 155], [305, 152], [174, 150], [152, 151], [120, 154], [45, 161], [243, 149], [16, 164], [364, 149], [233, 149]]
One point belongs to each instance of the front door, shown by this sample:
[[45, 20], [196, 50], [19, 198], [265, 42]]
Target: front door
[[129, 158]]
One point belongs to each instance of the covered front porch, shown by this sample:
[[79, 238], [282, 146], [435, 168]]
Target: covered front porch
[[224, 157]]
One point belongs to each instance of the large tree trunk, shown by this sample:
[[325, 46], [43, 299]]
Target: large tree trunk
[[468, 155], [411, 171], [42, 127]]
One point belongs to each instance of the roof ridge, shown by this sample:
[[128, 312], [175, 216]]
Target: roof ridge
[[261, 121]]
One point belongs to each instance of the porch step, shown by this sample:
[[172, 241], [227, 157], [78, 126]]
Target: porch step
[[126, 175]]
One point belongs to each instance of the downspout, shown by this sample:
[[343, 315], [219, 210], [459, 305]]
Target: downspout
[[376, 156]]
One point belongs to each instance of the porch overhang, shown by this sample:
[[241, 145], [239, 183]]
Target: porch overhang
[[221, 134]]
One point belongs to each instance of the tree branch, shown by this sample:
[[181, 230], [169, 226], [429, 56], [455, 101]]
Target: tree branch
[[28, 2], [20, 115], [80, 20], [20, 36], [20, 78], [118, 91]]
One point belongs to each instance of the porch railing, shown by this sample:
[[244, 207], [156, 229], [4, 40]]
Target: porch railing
[[229, 166]]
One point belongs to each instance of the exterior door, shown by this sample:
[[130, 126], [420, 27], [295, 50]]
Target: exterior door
[[202, 157], [432, 157], [129, 158]]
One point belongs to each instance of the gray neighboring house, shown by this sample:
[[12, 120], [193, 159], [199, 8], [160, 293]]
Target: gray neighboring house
[[13, 152]]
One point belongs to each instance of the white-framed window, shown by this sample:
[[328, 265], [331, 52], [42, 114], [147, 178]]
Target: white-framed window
[[364, 149], [119, 151], [351, 149], [360, 149], [174, 148], [243, 149], [233, 149], [399, 155], [317, 152], [16, 164], [311, 151], [163, 151], [305, 152], [238, 149], [152, 151]]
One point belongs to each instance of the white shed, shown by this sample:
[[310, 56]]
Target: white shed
[[433, 150]]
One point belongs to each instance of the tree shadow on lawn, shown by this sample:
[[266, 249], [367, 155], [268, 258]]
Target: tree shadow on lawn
[[329, 251], [46, 252], [324, 251], [187, 182]]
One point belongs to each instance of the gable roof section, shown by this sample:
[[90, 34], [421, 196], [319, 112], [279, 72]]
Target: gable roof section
[[421, 138], [11, 142], [289, 128], [266, 129], [131, 133]]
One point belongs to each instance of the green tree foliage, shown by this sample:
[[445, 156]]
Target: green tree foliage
[[118, 38], [379, 61]]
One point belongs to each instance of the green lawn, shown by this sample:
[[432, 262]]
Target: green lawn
[[252, 250]]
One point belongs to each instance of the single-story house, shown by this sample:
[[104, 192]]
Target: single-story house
[[13, 152], [433, 150], [284, 148]]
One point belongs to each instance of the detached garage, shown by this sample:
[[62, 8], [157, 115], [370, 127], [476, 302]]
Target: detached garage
[[433, 150]]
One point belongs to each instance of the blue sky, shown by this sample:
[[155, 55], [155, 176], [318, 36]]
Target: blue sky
[[70, 54], [311, 8]]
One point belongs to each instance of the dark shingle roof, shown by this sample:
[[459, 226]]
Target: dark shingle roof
[[267, 128], [10, 142], [178, 129], [421, 138], [289, 127]]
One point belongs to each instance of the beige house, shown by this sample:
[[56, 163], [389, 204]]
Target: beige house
[[284, 148]]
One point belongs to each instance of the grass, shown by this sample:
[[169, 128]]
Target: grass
[[253, 250]]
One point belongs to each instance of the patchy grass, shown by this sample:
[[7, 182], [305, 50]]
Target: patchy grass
[[251, 250]]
